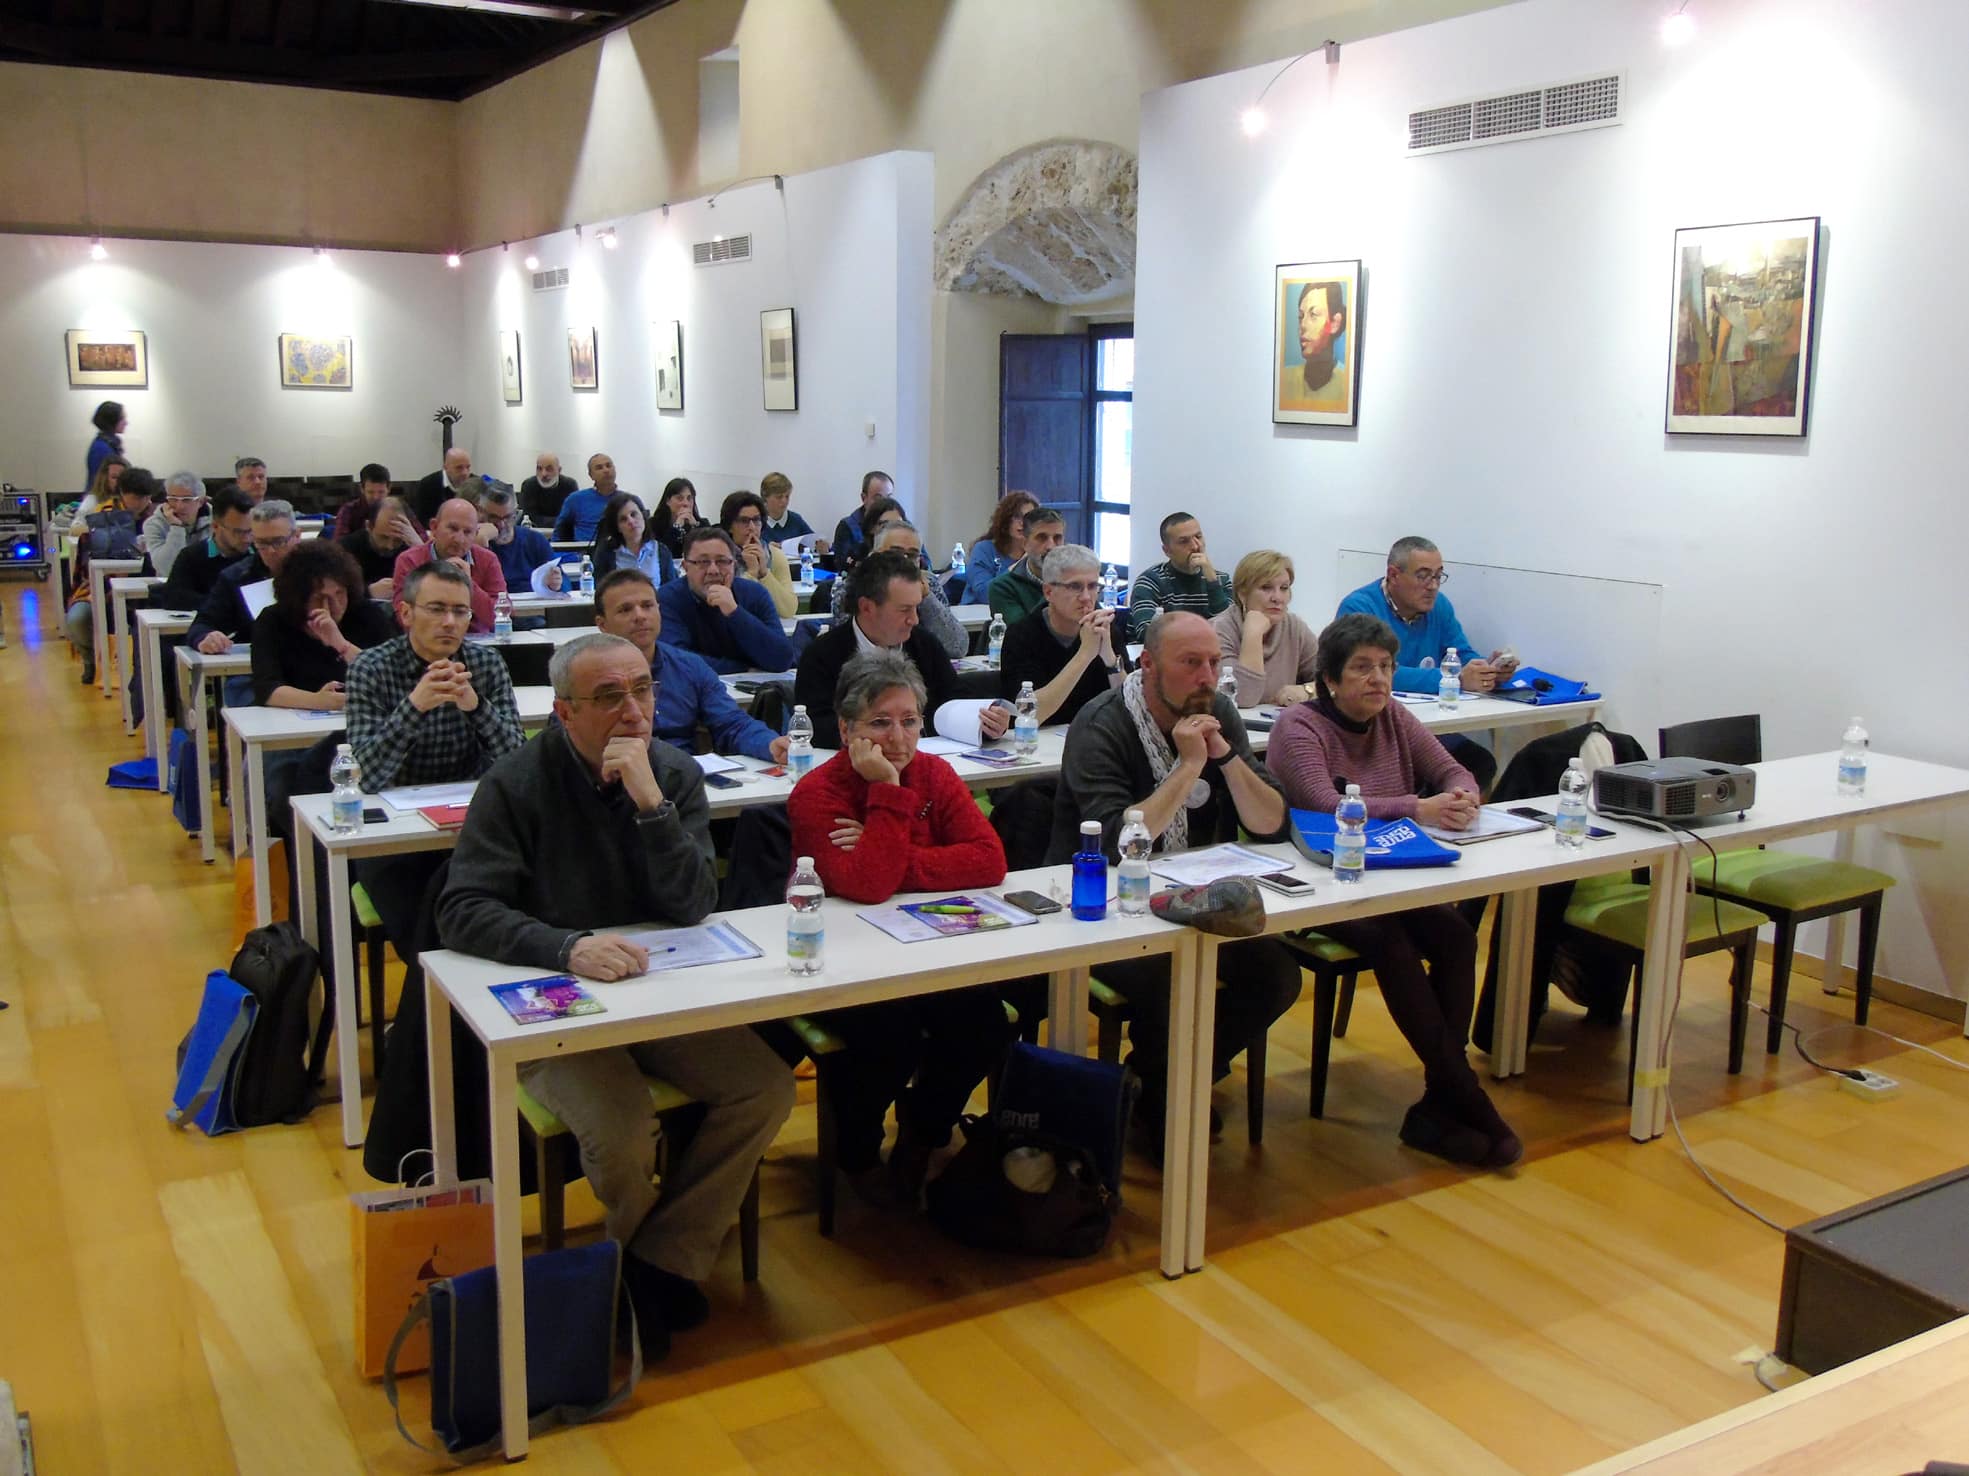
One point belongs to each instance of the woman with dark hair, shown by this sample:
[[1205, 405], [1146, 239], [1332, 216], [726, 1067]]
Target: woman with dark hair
[[1350, 732], [320, 620], [675, 515], [622, 541], [743, 515], [1003, 545], [880, 818], [110, 423]]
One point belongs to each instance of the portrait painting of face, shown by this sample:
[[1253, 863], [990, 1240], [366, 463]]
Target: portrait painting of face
[[1316, 349]]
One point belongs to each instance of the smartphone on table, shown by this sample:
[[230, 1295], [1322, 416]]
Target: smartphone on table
[[1545, 817], [1285, 883], [1036, 903]]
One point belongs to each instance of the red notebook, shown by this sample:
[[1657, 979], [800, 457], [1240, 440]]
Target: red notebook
[[445, 817]]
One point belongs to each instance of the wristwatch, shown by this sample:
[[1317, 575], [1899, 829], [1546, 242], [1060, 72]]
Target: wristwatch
[[665, 811]]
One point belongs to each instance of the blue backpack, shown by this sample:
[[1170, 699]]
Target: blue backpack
[[210, 1055]]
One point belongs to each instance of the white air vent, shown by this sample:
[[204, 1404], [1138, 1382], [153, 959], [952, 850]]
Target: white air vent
[[724, 249], [551, 280], [1532, 112]]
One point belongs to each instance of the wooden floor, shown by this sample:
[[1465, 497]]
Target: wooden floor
[[174, 1304]]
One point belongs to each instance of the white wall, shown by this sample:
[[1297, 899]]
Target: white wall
[[845, 247], [1515, 337], [212, 315]]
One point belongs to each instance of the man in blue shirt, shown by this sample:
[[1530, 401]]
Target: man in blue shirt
[[689, 694], [728, 621], [583, 510], [525, 556], [1409, 598]]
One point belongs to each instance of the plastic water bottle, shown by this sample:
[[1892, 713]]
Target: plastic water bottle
[[1025, 722], [1852, 759], [957, 558], [1450, 690], [1131, 889], [502, 616], [799, 744], [1109, 580], [1090, 875], [1350, 836], [587, 576], [995, 639], [806, 933], [345, 805], [1569, 827], [1227, 684], [807, 566]]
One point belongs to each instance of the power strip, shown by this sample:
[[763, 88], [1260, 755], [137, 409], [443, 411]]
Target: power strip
[[1870, 1086]]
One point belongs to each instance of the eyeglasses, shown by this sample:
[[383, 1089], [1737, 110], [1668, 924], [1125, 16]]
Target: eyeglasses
[[744, 518], [447, 612], [1078, 587], [885, 726], [1429, 576], [611, 699], [270, 545], [182, 497], [718, 564]]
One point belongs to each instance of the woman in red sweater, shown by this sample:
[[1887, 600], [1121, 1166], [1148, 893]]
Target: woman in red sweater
[[880, 818], [1351, 732]]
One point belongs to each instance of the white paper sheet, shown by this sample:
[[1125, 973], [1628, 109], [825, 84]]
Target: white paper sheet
[[958, 718], [713, 763], [1200, 868], [417, 796], [685, 948], [1491, 822], [258, 595]]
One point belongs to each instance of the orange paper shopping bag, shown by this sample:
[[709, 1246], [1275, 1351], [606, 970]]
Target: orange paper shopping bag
[[405, 1239]]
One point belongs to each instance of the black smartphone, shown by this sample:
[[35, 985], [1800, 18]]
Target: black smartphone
[[1544, 817], [1037, 903], [722, 781], [1286, 883], [375, 817]]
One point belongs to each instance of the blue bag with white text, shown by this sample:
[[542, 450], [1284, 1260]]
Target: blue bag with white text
[[1392, 845], [1529, 684]]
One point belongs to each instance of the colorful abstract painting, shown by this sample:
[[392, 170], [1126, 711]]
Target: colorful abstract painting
[[97, 357], [316, 363], [1316, 334], [1741, 328]]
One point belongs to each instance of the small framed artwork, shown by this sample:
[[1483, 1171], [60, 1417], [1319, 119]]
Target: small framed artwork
[[1316, 328], [509, 366], [316, 363], [779, 362], [669, 339], [1740, 328], [107, 356], [582, 369]]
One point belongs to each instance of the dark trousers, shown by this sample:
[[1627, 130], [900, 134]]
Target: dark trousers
[[1260, 979], [396, 886], [949, 1041], [1431, 1006]]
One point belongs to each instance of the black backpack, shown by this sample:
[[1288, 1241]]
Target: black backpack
[[279, 1068]]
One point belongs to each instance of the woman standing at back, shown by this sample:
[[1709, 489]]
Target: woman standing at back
[[110, 423]]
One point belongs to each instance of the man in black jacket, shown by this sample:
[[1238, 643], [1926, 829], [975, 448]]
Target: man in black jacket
[[455, 480], [598, 824], [883, 591]]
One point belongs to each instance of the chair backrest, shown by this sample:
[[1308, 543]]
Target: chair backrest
[[1724, 740], [526, 663]]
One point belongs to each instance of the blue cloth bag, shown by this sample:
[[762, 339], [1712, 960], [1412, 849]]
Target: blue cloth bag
[[181, 778], [1529, 684], [209, 1056], [1392, 845]]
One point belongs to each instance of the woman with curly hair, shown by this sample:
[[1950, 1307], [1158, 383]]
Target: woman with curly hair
[[320, 620], [1002, 546]]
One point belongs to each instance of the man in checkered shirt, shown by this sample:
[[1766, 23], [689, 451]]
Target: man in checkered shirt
[[429, 707]]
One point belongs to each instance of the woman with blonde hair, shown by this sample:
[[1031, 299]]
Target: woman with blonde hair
[[1273, 651]]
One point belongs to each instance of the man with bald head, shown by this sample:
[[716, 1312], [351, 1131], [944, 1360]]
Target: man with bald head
[[1167, 743], [455, 480], [454, 540]]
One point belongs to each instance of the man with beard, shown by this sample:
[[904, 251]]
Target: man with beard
[[1165, 742]]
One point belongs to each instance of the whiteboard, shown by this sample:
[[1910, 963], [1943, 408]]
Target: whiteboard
[[1605, 632]]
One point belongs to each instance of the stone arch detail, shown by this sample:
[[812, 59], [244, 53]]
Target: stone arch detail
[[1055, 221]]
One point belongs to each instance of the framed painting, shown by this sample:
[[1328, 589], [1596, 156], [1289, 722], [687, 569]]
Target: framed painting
[[99, 356], [779, 362], [1316, 336], [316, 363], [583, 370], [509, 366], [669, 337], [1740, 328]]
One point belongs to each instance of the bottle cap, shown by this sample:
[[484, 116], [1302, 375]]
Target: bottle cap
[[803, 863], [1090, 827], [799, 707], [1575, 763], [1129, 817], [1353, 791]]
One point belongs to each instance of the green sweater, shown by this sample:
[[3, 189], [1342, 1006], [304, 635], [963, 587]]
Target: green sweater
[[1015, 594]]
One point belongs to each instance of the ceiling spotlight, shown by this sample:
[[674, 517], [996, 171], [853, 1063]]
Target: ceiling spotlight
[[454, 260], [608, 239], [98, 251], [1253, 121], [321, 259], [533, 263], [1679, 27]]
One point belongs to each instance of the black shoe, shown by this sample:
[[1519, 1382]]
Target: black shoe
[[1427, 1131], [1469, 1104], [681, 1300], [651, 1329], [88, 671]]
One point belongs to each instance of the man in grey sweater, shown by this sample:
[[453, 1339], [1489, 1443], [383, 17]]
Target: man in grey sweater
[[597, 824]]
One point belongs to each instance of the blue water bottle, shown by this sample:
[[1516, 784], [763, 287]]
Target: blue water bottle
[[1090, 875]]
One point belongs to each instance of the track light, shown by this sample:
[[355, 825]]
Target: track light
[[1679, 27], [454, 261], [321, 259], [532, 263], [1253, 121], [608, 238], [98, 251]]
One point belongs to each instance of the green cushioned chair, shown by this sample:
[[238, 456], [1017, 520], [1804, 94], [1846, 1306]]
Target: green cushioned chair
[[1610, 914], [1787, 887], [546, 1134], [369, 933]]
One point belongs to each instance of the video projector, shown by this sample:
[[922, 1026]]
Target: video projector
[[1674, 789]]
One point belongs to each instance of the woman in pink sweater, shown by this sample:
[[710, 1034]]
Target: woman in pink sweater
[[1352, 732], [880, 818]]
